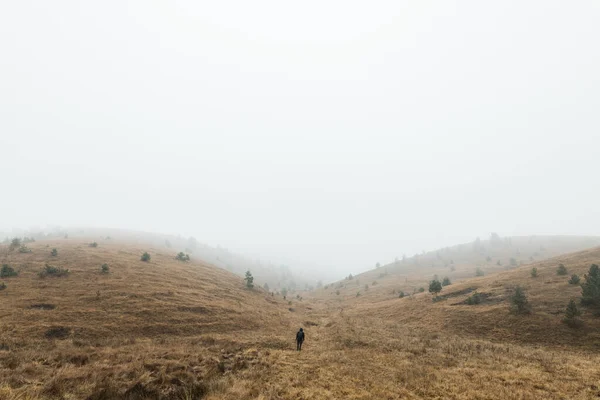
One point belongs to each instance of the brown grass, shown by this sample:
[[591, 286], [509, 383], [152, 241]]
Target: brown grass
[[173, 330]]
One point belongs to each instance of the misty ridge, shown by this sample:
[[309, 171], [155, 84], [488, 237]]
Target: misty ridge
[[493, 254]]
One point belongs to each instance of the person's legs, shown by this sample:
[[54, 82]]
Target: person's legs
[[299, 345]]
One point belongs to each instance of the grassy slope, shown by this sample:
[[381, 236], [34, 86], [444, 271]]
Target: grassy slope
[[548, 295], [163, 312], [458, 263], [375, 346]]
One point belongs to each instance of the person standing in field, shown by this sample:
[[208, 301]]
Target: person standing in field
[[299, 339]]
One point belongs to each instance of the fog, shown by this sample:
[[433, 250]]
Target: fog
[[327, 135]]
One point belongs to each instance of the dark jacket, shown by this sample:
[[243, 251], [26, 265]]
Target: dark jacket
[[300, 336]]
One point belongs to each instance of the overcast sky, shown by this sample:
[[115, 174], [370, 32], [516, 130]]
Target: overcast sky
[[331, 133]]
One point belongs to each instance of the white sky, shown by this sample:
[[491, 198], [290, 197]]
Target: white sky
[[331, 133]]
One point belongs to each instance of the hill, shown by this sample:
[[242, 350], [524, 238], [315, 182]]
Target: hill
[[275, 275], [173, 330], [90, 332], [458, 263], [548, 294]]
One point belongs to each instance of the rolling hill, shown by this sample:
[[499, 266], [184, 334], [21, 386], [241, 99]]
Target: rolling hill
[[137, 323], [458, 263], [167, 329]]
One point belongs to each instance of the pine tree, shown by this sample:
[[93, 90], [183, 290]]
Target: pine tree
[[520, 305], [590, 289], [435, 287], [534, 273], [249, 280], [561, 270], [571, 314], [446, 281]]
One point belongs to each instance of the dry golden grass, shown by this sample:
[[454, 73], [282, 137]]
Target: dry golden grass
[[172, 330]]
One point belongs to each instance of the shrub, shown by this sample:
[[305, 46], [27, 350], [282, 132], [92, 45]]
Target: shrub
[[266, 286], [24, 249], [435, 287], [474, 299], [374, 283], [2, 285], [499, 263], [590, 289], [446, 281], [357, 294], [479, 272], [54, 252], [513, 262], [7, 271], [249, 280], [50, 270], [534, 273], [181, 256], [93, 244], [571, 314], [401, 295], [519, 303], [421, 289], [561, 270], [105, 269], [145, 257], [15, 244], [367, 286], [574, 279], [337, 292]]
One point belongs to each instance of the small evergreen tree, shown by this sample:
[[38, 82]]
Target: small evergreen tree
[[435, 287], [421, 289], [479, 272], [590, 288], [571, 314], [145, 257], [93, 244], [513, 262], [574, 279], [561, 270], [54, 252], [519, 303], [249, 280], [446, 281], [401, 294], [534, 272], [7, 271], [105, 268], [474, 299], [181, 256], [15, 244]]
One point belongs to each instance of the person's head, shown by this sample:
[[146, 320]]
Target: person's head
[[300, 329]]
